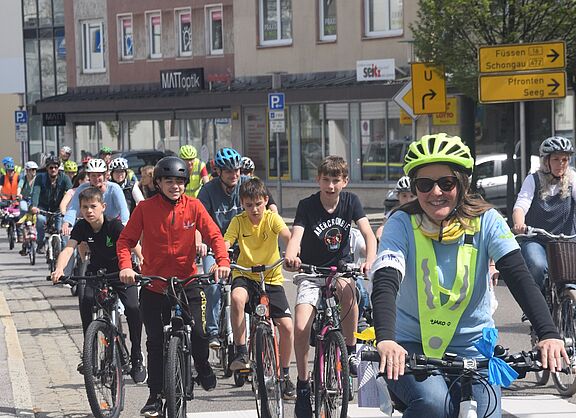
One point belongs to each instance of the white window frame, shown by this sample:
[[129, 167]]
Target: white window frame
[[388, 32], [149, 16], [124, 55], [323, 37], [209, 9], [87, 45], [178, 13], [278, 41]]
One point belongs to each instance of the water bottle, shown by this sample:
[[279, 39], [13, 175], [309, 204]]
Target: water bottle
[[384, 397]]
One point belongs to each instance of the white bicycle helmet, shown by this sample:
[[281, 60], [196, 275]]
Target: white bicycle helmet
[[403, 184], [556, 144], [66, 149], [31, 165], [96, 165], [247, 164], [119, 164]]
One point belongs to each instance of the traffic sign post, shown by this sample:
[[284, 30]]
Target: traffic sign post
[[428, 88], [522, 57], [522, 86]]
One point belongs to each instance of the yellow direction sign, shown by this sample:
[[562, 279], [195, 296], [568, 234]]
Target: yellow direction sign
[[428, 88], [522, 86], [522, 57]]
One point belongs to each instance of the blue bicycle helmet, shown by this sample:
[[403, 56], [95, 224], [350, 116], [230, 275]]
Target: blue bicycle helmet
[[228, 159], [9, 165], [6, 160]]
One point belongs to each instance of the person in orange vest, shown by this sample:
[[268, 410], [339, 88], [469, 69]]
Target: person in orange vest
[[9, 182], [8, 160], [197, 169]]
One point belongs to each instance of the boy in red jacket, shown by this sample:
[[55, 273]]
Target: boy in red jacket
[[167, 224]]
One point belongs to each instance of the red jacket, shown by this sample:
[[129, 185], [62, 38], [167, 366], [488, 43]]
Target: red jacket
[[168, 238]]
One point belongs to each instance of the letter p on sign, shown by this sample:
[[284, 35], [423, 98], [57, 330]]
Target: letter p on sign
[[276, 101]]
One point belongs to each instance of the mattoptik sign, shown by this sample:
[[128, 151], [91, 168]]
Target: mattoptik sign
[[522, 86], [522, 57]]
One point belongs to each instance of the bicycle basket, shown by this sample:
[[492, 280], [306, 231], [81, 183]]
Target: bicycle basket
[[561, 257]]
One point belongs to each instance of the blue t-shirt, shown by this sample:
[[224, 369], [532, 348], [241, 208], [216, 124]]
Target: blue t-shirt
[[397, 249], [116, 206]]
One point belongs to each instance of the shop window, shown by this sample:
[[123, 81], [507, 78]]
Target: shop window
[[215, 30], [312, 145], [275, 22], [383, 17], [93, 46], [30, 12], [58, 6], [154, 35], [61, 77], [47, 65], [184, 35], [126, 38], [45, 12], [327, 16], [564, 117], [32, 70]]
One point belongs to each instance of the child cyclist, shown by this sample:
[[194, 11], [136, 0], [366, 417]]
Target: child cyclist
[[257, 230], [167, 223], [102, 234], [321, 236]]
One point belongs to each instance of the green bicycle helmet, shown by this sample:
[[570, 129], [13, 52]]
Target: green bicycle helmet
[[188, 152], [438, 148], [105, 150]]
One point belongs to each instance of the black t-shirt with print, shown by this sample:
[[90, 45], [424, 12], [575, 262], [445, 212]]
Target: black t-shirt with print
[[326, 238], [102, 243]]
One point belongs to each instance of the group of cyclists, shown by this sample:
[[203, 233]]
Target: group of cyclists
[[430, 267]]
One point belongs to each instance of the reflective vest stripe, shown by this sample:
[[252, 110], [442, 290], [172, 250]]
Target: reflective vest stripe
[[195, 183]]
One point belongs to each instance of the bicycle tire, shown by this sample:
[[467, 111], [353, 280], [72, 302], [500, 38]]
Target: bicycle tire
[[269, 396], [102, 371], [11, 239], [32, 252], [175, 379], [564, 313], [332, 377]]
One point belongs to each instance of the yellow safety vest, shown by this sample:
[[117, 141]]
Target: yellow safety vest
[[195, 184], [438, 321], [17, 170]]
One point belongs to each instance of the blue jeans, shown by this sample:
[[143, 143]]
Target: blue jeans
[[534, 254], [213, 300], [427, 398], [364, 297], [40, 225]]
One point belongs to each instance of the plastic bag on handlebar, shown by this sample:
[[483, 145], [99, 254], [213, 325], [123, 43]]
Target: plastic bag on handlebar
[[314, 278], [499, 372]]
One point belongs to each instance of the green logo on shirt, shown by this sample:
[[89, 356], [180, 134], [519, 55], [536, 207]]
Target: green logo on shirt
[[109, 242]]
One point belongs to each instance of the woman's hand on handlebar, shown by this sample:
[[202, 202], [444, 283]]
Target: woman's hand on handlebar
[[292, 263], [127, 276], [519, 228], [56, 274], [392, 358], [552, 352]]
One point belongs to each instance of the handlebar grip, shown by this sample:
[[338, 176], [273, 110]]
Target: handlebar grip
[[370, 355]]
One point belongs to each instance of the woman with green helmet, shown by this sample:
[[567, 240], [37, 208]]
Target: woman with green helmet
[[197, 169], [431, 281]]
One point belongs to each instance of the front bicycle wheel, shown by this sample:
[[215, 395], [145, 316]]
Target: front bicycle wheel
[[269, 395], [11, 237], [103, 371], [175, 379], [564, 317], [332, 377], [32, 252]]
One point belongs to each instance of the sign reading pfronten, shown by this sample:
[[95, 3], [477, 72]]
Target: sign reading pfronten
[[522, 57], [522, 86]]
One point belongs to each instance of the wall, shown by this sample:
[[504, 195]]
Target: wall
[[8, 145]]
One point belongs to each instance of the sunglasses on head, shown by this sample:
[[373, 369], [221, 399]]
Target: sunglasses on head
[[446, 184]]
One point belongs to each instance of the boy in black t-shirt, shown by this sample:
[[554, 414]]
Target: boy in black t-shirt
[[101, 235], [321, 236]]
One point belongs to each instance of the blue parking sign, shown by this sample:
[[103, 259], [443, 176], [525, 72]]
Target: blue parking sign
[[276, 101], [21, 116]]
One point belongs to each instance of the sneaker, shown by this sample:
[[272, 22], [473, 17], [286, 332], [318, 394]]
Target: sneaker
[[40, 250], [353, 363], [240, 362], [303, 407], [139, 373], [288, 389], [214, 342], [153, 407], [206, 378], [80, 367], [22, 252]]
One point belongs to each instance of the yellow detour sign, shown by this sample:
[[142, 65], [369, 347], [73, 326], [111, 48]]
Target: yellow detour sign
[[405, 118], [522, 86], [521, 57], [450, 117], [428, 88]]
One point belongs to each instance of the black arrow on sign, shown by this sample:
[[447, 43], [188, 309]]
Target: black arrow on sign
[[431, 95], [554, 85], [554, 55]]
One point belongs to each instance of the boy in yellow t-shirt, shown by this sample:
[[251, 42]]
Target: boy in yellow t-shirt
[[257, 230]]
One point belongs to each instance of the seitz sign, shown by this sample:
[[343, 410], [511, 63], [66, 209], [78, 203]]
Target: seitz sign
[[182, 79], [374, 70]]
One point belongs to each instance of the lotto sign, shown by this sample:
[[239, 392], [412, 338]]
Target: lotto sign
[[450, 117]]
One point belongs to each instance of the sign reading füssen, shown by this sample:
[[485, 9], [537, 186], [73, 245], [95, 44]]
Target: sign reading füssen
[[182, 79]]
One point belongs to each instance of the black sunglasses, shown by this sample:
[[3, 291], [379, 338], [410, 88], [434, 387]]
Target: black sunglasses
[[446, 184]]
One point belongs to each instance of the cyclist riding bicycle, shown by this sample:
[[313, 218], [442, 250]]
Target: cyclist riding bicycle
[[431, 283], [70, 169], [405, 195], [10, 161], [9, 189], [197, 168], [167, 223], [130, 188], [247, 168], [65, 153], [547, 200]]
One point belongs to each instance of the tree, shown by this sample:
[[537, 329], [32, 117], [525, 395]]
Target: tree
[[448, 32]]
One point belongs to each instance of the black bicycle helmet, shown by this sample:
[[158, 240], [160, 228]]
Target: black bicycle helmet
[[52, 160], [171, 167]]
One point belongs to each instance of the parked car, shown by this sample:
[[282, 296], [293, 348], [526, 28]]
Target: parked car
[[374, 162], [139, 158]]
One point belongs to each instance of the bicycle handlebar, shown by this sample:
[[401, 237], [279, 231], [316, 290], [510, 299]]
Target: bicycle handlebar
[[257, 269], [534, 232], [202, 279], [72, 280]]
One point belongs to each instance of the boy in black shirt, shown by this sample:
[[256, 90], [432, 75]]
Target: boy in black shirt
[[321, 236], [101, 235]]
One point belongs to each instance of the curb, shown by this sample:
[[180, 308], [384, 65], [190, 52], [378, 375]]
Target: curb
[[16, 369]]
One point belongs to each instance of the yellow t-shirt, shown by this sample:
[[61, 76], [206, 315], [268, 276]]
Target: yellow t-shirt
[[258, 244]]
